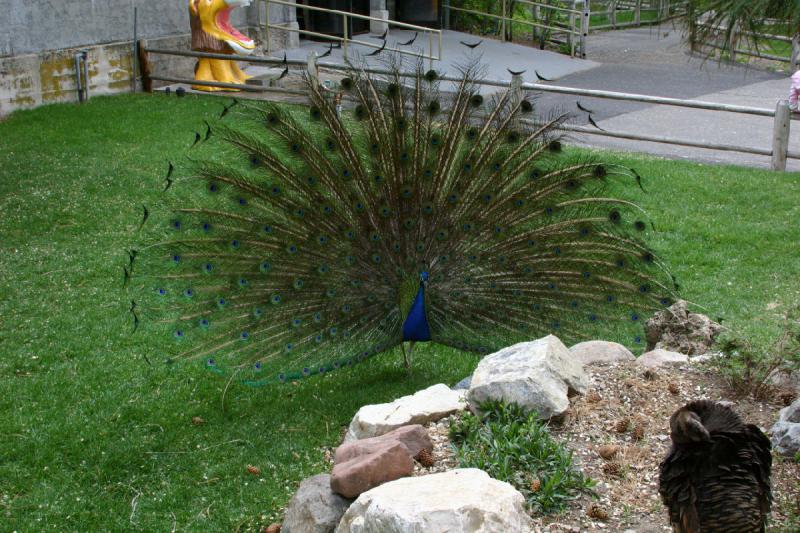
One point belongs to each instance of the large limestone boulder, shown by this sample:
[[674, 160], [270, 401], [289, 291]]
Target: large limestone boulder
[[425, 406], [538, 375], [786, 431], [314, 508], [658, 357], [590, 352], [459, 501], [676, 329]]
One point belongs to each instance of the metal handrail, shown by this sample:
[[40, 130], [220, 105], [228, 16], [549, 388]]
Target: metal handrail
[[576, 28], [345, 40]]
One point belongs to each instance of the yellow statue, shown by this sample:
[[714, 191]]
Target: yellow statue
[[213, 32]]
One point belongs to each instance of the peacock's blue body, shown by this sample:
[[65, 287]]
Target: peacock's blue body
[[415, 326], [304, 240]]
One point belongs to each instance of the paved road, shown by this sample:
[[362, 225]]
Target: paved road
[[648, 60]]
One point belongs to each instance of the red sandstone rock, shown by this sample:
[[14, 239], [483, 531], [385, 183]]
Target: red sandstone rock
[[386, 461], [415, 438]]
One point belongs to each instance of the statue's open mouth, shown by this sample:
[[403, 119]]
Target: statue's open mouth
[[239, 42]]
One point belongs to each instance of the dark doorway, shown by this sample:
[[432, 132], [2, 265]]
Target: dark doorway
[[332, 24], [421, 12]]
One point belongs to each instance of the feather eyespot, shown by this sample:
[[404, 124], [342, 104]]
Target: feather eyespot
[[599, 171], [554, 146], [526, 106], [476, 100], [431, 75], [346, 83]]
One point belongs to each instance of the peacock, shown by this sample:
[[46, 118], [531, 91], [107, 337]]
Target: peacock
[[716, 477], [400, 207]]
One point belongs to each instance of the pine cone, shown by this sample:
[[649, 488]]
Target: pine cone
[[536, 484], [650, 375], [608, 452], [256, 471], [673, 388], [622, 425], [612, 468], [597, 512], [638, 431], [593, 397], [425, 458], [787, 397], [197, 421]]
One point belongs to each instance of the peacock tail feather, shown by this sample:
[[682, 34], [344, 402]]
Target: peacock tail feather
[[302, 241]]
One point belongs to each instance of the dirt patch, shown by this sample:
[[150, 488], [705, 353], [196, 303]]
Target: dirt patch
[[625, 415]]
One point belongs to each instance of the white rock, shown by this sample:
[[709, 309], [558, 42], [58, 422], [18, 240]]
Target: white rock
[[659, 357], [791, 413], [427, 405], [600, 352], [314, 508], [537, 375], [464, 500], [786, 438]]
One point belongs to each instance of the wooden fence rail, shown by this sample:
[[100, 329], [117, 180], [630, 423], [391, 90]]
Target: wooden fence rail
[[781, 115]]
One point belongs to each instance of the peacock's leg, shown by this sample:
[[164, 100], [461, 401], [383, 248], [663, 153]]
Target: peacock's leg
[[407, 355]]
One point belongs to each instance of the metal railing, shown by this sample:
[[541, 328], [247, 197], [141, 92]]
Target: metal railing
[[564, 17], [434, 35], [732, 46], [611, 10], [781, 115]]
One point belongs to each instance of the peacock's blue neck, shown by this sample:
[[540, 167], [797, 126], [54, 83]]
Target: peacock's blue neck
[[415, 327]]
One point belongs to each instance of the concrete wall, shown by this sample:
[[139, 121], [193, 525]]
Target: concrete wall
[[38, 40]]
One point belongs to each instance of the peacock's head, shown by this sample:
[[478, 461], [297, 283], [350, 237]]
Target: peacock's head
[[423, 278], [214, 17]]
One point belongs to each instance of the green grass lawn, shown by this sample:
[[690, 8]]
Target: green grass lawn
[[93, 438]]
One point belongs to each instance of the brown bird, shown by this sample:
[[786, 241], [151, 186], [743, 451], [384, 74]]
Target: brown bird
[[716, 476]]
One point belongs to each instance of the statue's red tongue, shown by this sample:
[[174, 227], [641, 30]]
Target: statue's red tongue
[[224, 23]]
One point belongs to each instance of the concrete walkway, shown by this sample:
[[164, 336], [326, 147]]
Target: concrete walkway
[[496, 56], [705, 126]]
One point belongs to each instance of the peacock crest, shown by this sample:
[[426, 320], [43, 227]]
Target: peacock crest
[[307, 239]]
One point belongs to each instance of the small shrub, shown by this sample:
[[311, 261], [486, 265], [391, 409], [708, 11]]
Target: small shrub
[[749, 370], [516, 447]]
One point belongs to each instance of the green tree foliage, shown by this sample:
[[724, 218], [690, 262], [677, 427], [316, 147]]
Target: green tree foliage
[[731, 21]]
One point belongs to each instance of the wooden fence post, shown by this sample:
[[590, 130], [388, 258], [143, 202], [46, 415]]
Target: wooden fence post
[[447, 14], [637, 13], [145, 68], [584, 26], [795, 51], [312, 67], [503, 22], [780, 135], [516, 89], [571, 25], [613, 15]]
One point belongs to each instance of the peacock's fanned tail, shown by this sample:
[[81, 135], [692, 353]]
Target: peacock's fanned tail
[[296, 246]]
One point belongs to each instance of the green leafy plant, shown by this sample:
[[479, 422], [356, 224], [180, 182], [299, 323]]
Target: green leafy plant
[[749, 370], [516, 447]]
